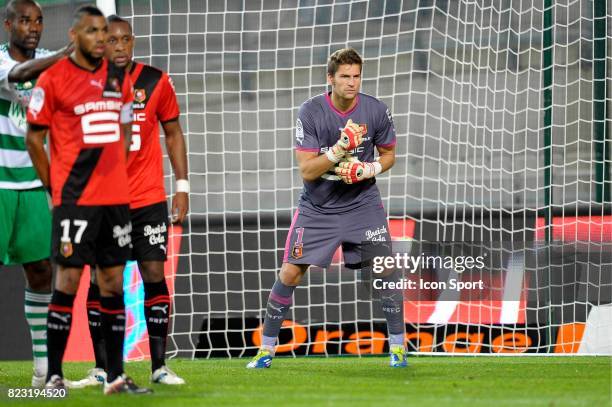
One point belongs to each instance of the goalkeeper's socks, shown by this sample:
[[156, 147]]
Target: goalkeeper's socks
[[112, 311], [392, 301], [397, 340], [36, 309], [279, 302], [157, 314], [59, 319], [95, 325]]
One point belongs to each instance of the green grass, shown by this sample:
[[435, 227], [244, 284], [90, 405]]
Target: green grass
[[435, 381]]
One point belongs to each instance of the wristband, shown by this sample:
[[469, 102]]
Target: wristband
[[377, 168], [331, 156], [182, 185]]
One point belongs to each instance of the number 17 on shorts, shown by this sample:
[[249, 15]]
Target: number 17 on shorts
[[84, 235]]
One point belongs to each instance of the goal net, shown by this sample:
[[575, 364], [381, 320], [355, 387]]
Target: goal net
[[502, 136]]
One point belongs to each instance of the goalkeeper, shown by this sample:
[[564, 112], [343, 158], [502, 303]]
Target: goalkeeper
[[336, 134]]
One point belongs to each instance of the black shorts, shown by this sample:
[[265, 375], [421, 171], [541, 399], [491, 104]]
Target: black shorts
[[91, 235], [150, 232]]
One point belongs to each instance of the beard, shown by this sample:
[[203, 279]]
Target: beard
[[93, 60]]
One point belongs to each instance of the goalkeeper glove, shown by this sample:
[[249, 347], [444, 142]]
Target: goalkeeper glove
[[354, 171], [350, 138]]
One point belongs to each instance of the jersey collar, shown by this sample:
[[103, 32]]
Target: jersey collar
[[100, 65], [134, 67], [342, 114]]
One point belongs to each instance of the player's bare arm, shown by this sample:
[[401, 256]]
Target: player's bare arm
[[312, 165], [32, 68], [386, 157], [175, 145], [35, 143]]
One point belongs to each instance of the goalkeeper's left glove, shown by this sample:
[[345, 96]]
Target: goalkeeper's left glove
[[351, 136], [354, 171]]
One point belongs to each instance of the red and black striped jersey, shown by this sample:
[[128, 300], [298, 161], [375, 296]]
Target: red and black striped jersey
[[82, 110], [154, 102]]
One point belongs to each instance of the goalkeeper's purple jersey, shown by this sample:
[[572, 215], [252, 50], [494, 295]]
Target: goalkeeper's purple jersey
[[318, 128]]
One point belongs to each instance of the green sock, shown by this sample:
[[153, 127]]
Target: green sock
[[36, 307]]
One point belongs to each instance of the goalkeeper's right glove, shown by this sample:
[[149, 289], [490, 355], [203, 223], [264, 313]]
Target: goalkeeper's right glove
[[353, 171], [350, 138]]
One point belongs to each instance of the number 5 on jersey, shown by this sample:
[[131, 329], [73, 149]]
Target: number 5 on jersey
[[136, 140], [135, 143], [100, 127]]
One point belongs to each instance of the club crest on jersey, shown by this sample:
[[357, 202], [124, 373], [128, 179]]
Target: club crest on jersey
[[140, 95], [298, 247], [112, 88], [66, 249], [114, 84], [297, 251]]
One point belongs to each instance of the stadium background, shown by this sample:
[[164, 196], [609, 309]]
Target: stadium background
[[482, 165]]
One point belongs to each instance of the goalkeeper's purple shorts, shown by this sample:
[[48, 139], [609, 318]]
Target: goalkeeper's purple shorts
[[314, 237]]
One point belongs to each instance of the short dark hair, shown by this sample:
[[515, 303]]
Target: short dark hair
[[114, 18], [344, 56], [9, 10], [86, 10]]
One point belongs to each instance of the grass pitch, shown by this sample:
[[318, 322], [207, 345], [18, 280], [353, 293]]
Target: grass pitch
[[313, 381]]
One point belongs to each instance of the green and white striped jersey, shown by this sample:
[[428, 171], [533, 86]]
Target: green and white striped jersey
[[16, 170]]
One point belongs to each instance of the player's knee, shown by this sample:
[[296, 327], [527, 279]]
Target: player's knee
[[38, 275], [67, 280], [110, 283], [151, 271], [111, 287], [291, 274]]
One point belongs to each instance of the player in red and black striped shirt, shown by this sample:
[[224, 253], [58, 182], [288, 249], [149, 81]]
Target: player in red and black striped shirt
[[85, 104], [154, 102]]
